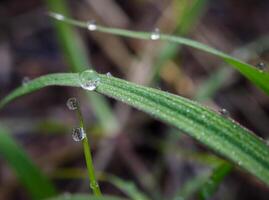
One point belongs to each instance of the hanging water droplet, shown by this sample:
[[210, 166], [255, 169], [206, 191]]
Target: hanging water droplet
[[224, 112], [155, 35], [78, 134], [89, 80], [57, 16], [94, 185], [108, 74], [72, 103], [261, 66], [91, 25], [25, 80]]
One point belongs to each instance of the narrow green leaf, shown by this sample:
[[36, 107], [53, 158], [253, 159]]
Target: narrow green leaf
[[219, 133], [212, 184], [38, 186], [258, 77], [84, 197], [129, 188]]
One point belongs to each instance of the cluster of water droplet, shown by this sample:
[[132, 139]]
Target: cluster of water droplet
[[78, 134], [89, 80], [155, 35], [72, 103]]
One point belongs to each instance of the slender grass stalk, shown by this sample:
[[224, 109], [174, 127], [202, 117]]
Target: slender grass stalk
[[76, 54], [259, 77], [88, 157]]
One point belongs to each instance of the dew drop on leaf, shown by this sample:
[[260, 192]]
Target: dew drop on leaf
[[89, 80], [57, 16], [25, 80], [261, 66], [108, 74], [224, 112], [155, 35], [78, 134], [72, 103], [91, 25], [94, 185]]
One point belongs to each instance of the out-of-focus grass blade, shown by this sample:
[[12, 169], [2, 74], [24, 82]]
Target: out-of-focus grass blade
[[218, 132], [190, 15], [259, 77], [217, 176], [76, 55], [84, 197], [191, 187], [38, 186], [127, 187]]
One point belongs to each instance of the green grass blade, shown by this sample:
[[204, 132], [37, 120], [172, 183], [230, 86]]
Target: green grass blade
[[127, 187], [258, 77], [217, 132], [76, 55], [38, 186], [212, 184], [84, 197]]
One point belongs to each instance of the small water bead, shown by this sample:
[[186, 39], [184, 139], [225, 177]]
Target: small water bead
[[94, 185], [261, 66], [91, 25], [57, 16], [224, 112], [155, 35], [89, 80], [25, 80], [72, 103], [108, 74], [78, 134]]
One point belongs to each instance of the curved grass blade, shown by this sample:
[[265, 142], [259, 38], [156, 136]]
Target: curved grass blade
[[217, 132], [84, 197], [38, 186], [212, 184], [258, 77], [127, 187]]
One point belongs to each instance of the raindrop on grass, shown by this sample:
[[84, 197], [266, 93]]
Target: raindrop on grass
[[25, 80], [108, 74], [261, 66], [78, 134], [89, 80], [155, 35], [224, 112], [94, 185], [57, 16], [72, 103], [91, 25]]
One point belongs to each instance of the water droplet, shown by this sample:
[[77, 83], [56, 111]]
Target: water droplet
[[67, 195], [72, 103], [57, 16], [94, 185], [89, 80], [261, 66], [25, 80], [78, 134], [155, 35], [108, 74], [91, 25], [224, 112]]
